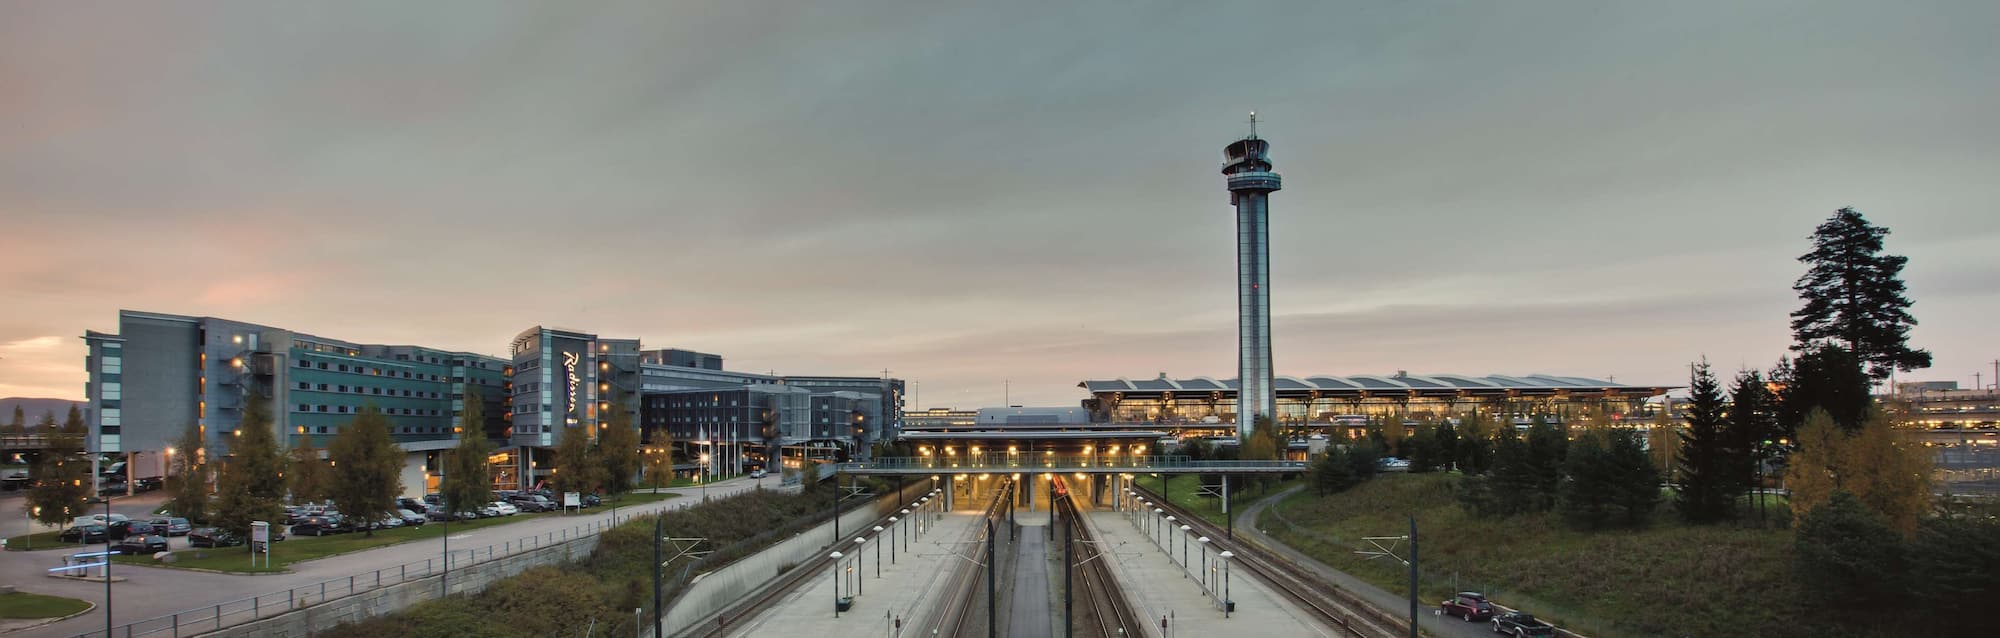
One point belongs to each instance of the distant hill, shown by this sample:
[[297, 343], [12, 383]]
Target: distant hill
[[32, 409]]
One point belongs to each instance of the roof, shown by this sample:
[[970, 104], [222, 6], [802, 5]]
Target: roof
[[1365, 383], [1033, 434]]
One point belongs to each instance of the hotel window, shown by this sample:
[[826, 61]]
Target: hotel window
[[304, 408], [322, 387], [322, 430], [305, 386], [322, 365], [305, 364], [343, 388], [321, 408], [341, 409], [343, 367]]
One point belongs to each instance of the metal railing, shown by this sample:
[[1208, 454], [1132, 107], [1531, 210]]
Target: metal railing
[[231, 613], [1031, 462]]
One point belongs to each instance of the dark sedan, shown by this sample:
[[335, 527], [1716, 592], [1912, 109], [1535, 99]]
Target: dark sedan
[[212, 537], [319, 526], [85, 534], [141, 544], [122, 529], [171, 526]]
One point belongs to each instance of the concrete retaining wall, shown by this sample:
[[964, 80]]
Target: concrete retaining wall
[[473, 579]]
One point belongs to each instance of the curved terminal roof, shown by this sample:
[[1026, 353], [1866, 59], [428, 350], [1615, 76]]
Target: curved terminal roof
[[1366, 384]]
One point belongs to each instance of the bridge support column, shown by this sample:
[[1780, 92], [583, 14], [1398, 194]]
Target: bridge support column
[[1225, 508]]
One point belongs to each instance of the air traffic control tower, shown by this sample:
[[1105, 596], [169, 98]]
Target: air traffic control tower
[[1247, 164]]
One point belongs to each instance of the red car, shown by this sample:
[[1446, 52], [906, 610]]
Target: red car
[[1471, 606]]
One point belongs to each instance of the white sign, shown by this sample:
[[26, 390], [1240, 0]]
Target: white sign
[[572, 499], [260, 537]]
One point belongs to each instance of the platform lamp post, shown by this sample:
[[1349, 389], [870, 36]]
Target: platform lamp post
[[878, 550], [1227, 605], [1187, 532], [860, 542], [1158, 515], [836, 583], [892, 539], [906, 527], [1203, 541], [1171, 524]]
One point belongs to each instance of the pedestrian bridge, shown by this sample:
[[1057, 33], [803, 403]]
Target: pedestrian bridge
[[1050, 463]]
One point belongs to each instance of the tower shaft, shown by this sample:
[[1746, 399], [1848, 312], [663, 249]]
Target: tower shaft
[[1248, 168]]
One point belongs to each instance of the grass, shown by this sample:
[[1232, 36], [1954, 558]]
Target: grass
[[1185, 490], [1668, 578], [38, 541], [21, 605]]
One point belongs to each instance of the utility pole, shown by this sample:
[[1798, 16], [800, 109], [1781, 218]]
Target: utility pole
[[659, 533], [992, 599], [1413, 576]]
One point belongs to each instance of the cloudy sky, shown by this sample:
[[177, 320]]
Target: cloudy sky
[[1013, 191]]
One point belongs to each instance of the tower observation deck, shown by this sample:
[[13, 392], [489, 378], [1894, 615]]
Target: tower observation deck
[[1247, 165]]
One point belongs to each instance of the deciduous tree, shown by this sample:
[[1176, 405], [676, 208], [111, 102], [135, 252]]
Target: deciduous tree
[[468, 482], [62, 476], [618, 450], [367, 468], [1852, 294], [187, 481], [306, 475], [251, 484], [576, 469], [1876, 464]]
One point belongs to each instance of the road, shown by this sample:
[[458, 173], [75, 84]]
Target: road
[[1397, 603], [150, 592]]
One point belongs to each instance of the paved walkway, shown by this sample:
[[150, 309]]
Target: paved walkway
[[150, 592], [906, 589], [1029, 616], [1162, 588], [1396, 603]]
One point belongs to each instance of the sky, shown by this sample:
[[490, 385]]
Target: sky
[[995, 200]]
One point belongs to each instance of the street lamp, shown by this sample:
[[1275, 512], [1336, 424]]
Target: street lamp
[[703, 479], [1203, 541], [861, 541], [1186, 531], [906, 527], [836, 583], [1157, 513], [878, 549], [1227, 606], [1170, 539]]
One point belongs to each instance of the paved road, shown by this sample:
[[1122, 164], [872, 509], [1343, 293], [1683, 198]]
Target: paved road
[[150, 592], [1397, 603]]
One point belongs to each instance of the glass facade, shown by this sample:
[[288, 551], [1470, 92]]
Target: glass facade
[[1250, 180]]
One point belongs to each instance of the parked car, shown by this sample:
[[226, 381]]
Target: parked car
[[122, 529], [501, 509], [318, 526], [148, 483], [410, 518], [411, 504], [171, 526], [1471, 606], [1393, 464], [88, 533], [1520, 625], [437, 513], [388, 521], [592, 500], [141, 544], [533, 503], [212, 537], [758, 473], [111, 488]]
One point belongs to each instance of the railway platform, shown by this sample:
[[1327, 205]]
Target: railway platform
[[1160, 588], [908, 587]]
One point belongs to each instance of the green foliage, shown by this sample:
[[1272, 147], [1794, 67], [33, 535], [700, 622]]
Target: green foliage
[[1542, 464], [251, 484], [306, 474], [1344, 466], [467, 479], [1852, 294], [577, 468], [19, 425], [73, 423], [47, 424], [62, 476], [1709, 470], [1954, 559], [367, 468], [618, 450], [1263, 443], [1824, 377], [1475, 445], [1425, 452], [1848, 556], [1608, 479], [187, 480]]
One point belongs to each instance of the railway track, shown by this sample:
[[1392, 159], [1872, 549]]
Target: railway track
[[959, 609], [1334, 606], [1107, 614]]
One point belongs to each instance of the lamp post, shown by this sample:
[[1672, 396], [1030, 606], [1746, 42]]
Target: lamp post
[[1203, 541], [1157, 514], [1186, 531], [836, 583], [1170, 537], [892, 538], [703, 479], [1226, 604], [859, 542], [878, 550]]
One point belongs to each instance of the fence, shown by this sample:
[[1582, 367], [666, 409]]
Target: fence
[[237, 612]]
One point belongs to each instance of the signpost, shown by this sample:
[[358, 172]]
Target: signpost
[[572, 499], [260, 542]]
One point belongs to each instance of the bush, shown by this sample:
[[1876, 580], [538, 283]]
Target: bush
[[1848, 557]]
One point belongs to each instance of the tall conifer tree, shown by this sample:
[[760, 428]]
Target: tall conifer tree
[[1852, 294], [1707, 489]]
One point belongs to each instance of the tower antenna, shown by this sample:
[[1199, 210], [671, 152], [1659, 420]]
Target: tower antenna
[[1253, 125]]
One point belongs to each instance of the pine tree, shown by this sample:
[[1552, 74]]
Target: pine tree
[[1635, 482], [1852, 294], [1585, 495], [1753, 426], [1706, 469], [73, 423], [1475, 446], [306, 475], [618, 450], [251, 484], [1332, 473], [1445, 438], [19, 425], [1824, 377], [47, 425], [366, 468], [1846, 555], [62, 476], [468, 482], [1542, 465], [187, 476]]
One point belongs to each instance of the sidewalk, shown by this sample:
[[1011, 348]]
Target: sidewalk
[[906, 589], [1163, 589]]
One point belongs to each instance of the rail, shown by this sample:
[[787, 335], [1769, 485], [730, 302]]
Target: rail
[[1336, 607], [959, 609], [1110, 613], [231, 613], [1100, 463]]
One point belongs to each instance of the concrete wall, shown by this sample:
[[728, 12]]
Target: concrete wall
[[718, 590], [307, 621], [413, 475]]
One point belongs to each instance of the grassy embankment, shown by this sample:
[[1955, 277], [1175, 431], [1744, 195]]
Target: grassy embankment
[[22, 605], [298, 549], [602, 590], [1669, 578], [1185, 490]]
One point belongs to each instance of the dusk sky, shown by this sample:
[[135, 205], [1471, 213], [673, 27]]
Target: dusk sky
[[1024, 191]]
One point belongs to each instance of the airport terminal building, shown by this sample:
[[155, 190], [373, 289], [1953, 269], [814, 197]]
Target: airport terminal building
[[1328, 400]]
